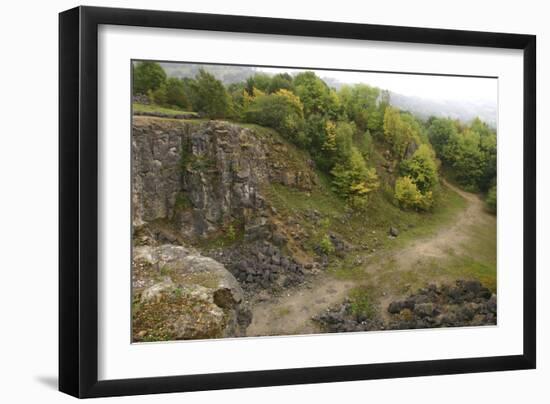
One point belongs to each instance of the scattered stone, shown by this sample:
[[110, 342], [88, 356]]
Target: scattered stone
[[429, 307], [424, 309], [466, 303]]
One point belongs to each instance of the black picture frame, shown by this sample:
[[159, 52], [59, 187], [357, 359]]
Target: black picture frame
[[78, 201]]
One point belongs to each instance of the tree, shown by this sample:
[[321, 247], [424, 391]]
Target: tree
[[354, 180], [344, 132], [488, 149], [238, 98], [360, 103], [261, 81], [147, 76], [439, 133], [469, 150], [315, 132], [383, 100], [316, 96], [208, 95], [281, 81], [421, 168], [364, 143], [330, 139], [400, 130], [392, 122], [282, 111], [158, 96], [329, 142], [409, 196], [464, 155], [175, 93]]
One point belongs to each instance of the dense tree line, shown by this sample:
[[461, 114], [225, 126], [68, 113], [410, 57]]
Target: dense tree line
[[469, 152], [338, 128]]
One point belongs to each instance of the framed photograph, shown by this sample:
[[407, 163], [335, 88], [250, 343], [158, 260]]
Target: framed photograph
[[251, 201]]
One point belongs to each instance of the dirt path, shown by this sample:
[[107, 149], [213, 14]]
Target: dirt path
[[291, 314], [450, 238]]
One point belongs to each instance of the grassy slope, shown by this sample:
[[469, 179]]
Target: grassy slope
[[368, 228], [475, 260], [156, 108], [368, 231]]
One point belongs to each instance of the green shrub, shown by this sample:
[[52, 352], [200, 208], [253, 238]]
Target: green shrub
[[421, 168], [316, 96], [260, 81], [175, 94], [326, 245], [400, 130], [280, 81], [207, 95], [409, 196], [281, 111], [231, 234], [354, 180], [147, 76], [360, 104], [361, 303], [440, 131], [470, 151]]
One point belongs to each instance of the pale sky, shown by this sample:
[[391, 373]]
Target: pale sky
[[469, 89]]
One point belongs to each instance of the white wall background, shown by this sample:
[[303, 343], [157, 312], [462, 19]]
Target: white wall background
[[28, 201]]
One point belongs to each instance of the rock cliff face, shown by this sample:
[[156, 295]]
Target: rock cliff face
[[156, 172], [194, 183], [204, 176]]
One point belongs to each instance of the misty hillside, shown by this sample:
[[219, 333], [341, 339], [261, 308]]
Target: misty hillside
[[464, 111], [226, 74], [426, 107]]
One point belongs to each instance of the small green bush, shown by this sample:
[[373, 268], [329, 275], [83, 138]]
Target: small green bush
[[231, 234], [354, 180], [148, 76], [281, 111], [326, 245], [361, 303], [175, 93], [409, 196], [422, 169], [207, 95]]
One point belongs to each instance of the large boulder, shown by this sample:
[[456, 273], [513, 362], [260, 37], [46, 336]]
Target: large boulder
[[187, 296]]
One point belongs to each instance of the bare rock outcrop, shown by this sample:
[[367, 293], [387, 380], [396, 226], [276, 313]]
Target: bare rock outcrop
[[203, 176]]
